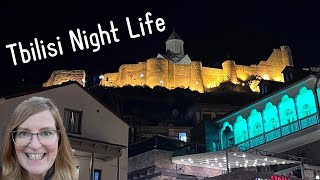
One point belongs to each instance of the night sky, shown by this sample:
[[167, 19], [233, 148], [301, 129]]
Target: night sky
[[212, 31]]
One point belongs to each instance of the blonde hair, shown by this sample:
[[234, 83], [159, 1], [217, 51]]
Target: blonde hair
[[64, 167]]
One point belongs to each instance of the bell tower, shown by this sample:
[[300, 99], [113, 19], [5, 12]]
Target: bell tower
[[174, 47]]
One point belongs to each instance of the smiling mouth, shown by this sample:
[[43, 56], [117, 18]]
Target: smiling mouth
[[35, 156]]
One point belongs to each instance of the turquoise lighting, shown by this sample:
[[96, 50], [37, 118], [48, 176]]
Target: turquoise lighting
[[240, 130], [255, 123], [270, 117], [287, 110], [226, 135], [318, 92], [305, 102]]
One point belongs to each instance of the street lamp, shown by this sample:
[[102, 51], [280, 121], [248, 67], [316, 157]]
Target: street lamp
[[142, 76], [161, 82]]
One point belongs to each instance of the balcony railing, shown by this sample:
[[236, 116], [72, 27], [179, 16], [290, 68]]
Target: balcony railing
[[285, 130], [193, 148]]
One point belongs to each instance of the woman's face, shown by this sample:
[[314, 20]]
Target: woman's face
[[37, 157]]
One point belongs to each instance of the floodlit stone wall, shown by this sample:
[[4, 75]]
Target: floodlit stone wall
[[61, 76], [161, 72]]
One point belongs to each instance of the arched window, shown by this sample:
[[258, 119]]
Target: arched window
[[240, 130], [270, 117], [305, 102], [255, 123]]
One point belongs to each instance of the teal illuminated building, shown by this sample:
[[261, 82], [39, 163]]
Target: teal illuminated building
[[278, 122], [277, 115]]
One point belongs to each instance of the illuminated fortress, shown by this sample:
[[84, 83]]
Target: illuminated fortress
[[175, 69]]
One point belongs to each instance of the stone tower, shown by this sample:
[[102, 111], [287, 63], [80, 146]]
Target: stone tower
[[174, 47], [286, 56]]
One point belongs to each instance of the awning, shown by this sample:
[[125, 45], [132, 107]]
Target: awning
[[218, 160], [103, 150]]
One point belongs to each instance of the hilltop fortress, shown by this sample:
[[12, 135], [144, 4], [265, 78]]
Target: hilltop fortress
[[175, 69]]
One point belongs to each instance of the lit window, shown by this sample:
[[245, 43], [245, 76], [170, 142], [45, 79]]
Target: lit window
[[73, 121], [183, 137], [97, 174], [206, 116]]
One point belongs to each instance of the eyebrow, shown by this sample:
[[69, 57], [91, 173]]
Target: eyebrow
[[41, 129]]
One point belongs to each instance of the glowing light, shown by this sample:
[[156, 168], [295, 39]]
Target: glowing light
[[317, 177], [265, 77], [101, 77]]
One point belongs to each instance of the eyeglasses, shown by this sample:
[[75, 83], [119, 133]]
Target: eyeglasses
[[46, 138]]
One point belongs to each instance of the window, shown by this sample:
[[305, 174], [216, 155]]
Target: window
[[97, 174], [262, 90], [206, 116], [73, 121], [183, 137]]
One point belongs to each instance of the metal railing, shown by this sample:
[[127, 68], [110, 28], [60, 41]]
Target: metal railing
[[280, 132]]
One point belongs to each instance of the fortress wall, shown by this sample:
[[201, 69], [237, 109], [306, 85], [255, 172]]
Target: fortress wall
[[286, 56], [171, 78], [196, 76], [244, 72], [182, 75], [157, 71], [229, 71], [212, 77], [272, 68], [110, 79], [130, 74], [61, 76]]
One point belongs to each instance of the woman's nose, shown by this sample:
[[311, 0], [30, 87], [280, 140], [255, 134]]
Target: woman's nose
[[35, 143]]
